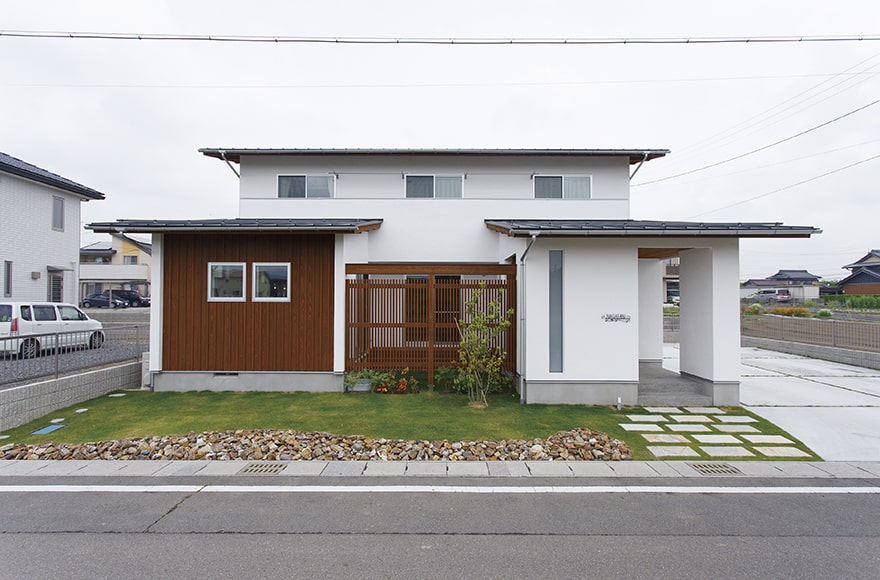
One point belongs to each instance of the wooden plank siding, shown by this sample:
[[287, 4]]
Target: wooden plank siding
[[406, 315], [248, 336]]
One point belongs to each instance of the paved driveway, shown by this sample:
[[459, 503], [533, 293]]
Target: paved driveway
[[833, 408]]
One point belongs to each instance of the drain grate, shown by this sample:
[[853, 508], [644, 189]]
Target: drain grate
[[262, 468], [715, 468]]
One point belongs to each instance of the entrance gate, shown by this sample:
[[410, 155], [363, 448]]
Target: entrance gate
[[406, 315]]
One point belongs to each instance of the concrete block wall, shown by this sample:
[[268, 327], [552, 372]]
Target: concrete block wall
[[19, 405], [859, 358]]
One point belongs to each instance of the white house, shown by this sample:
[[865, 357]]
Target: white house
[[39, 239], [123, 262], [347, 259]]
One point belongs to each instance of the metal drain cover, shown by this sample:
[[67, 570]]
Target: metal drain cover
[[715, 468], [262, 468]]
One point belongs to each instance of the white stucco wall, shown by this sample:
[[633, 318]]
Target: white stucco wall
[[29, 242], [599, 277], [651, 310]]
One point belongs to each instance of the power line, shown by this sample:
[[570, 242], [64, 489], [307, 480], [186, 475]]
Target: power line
[[838, 170], [434, 40], [753, 151]]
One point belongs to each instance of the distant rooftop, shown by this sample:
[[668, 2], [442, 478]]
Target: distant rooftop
[[635, 155], [19, 168]]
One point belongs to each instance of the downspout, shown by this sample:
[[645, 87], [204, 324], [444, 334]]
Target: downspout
[[639, 166], [522, 318], [223, 157]]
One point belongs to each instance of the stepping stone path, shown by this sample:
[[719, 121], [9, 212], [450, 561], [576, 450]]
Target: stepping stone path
[[691, 432]]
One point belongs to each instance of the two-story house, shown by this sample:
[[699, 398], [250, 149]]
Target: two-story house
[[864, 277], [345, 259], [123, 262], [39, 239]]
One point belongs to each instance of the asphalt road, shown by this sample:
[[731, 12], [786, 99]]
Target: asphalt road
[[467, 532]]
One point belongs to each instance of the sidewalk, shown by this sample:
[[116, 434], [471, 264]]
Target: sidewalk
[[272, 471]]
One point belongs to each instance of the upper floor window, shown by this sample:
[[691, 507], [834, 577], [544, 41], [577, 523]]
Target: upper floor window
[[562, 186], [306, 186], [58, 213], [130, 260], [436, 186]]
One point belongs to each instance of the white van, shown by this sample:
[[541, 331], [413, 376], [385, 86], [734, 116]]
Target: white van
[[26, 328]]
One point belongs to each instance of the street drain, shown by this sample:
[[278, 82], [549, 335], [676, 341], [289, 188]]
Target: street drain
[[262, 468], [715, 468]]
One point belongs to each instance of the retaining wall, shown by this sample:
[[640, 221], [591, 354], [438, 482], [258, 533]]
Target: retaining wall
[[19, 405], [859, 358]]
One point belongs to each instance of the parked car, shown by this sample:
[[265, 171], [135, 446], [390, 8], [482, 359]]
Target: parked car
[[770, 295], [28, 328], [134, 299], [101, 301]]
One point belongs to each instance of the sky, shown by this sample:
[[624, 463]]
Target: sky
[[127, 117]]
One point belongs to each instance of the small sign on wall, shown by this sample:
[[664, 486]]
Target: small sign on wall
[[625, 318]]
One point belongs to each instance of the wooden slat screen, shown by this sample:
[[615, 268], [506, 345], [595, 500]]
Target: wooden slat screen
[[409, 318]]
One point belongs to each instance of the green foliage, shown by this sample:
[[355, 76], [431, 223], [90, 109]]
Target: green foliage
[[752, 310], [824, 313], [375, 377], [444, 378], [479, 356], [811, 304], [857, 302], [671, 310]]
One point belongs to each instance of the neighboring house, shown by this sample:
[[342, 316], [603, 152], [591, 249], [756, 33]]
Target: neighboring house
[[670, 280], [39, 239], [864, 275], [800, 284], [350, 259], [121, 263]]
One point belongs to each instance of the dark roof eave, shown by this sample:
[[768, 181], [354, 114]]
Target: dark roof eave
[[82, 191], [646, 229], [236, 226], [635, 155]]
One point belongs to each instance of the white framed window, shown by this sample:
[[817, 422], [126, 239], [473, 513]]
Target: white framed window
[[302, 186], [434, 186], [271, 282], [563, 186], [130, 260], [58, 214], [226, 282]]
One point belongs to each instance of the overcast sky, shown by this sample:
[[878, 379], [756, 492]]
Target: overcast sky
[[126, 117]]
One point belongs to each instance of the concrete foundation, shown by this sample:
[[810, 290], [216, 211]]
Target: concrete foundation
[[581, 393], [180, 381]]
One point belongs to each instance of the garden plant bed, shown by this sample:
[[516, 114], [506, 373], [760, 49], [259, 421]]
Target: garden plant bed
[[574, 445]]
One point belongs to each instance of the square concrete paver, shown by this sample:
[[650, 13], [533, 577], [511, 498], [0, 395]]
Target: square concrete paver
[[717, 439], [704, 410], [767, 439], [734, 428], [646, 418], [688, 428], [665, 438], [691, 418], [662, 409], [781, 452], [641, 427], [672, 451], [736, 419], [727, 451]]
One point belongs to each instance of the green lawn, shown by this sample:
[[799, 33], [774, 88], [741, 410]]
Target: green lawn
[[426, 416]]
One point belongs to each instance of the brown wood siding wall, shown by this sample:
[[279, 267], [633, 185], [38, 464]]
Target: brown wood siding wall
[[248, 336], [856, 289]]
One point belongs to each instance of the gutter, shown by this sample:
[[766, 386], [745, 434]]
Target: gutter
[[223, 157]]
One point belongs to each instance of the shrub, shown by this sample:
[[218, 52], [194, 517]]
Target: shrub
[[753, 309], [811, 304], [444, 378], [795, 311], [824, 313], [858, 302]]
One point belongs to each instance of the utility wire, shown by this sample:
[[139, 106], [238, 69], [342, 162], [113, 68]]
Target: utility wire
[[769, 193], [753, 151], [429, 40]]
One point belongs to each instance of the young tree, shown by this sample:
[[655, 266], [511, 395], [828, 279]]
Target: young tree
[[480, 355]]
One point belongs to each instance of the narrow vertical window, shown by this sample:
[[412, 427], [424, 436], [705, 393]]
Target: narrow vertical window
[[7, 278], [555, 311], [58, 213]]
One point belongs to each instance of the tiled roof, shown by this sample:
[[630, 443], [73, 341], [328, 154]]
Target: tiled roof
[[17, 167], [351, 226], [872, 258], [645, 228], [635, 155]]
